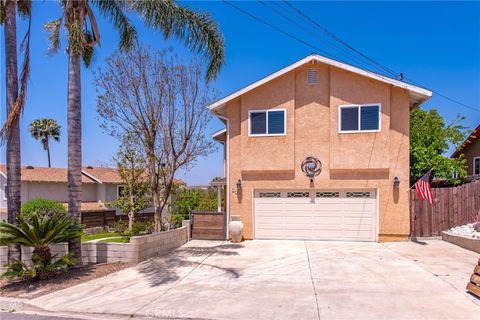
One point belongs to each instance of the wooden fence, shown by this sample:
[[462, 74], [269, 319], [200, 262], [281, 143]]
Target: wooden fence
[[453, 207], [107, 218], [208, 225]]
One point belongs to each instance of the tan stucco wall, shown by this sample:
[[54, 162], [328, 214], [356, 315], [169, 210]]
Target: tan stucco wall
[[472, 151], [354, 160]]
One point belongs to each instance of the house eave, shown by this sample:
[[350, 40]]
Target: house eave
[[418, 95]]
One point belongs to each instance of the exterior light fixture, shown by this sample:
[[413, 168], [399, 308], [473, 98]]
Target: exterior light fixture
[[239, 184], [396, 183]]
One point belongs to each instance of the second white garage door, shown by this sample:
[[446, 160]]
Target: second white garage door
[[316, 215]]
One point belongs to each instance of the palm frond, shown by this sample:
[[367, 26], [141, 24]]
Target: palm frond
[[2, 12], [24, 8], [114, 10], [20, 102], [53, 28], [197, 30]]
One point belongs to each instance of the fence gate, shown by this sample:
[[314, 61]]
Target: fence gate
[[208, 225]]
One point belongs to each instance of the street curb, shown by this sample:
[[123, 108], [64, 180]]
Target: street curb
[[10, 304]]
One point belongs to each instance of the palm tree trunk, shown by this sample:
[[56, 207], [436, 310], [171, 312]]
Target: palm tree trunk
[[13, 139], [48, 154], [74, 148]]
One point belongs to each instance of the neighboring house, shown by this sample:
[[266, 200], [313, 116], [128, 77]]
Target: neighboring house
[[354, 121], [99, 186], [470, 148]]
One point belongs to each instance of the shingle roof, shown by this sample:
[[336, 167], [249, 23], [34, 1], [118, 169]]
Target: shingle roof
[[103, 174], [471, 138], [44, 174], [91, 206]]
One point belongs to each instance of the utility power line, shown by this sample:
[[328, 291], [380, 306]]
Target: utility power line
[[369, 59], [333, 36]]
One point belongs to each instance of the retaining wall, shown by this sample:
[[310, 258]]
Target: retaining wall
[[138, 249]]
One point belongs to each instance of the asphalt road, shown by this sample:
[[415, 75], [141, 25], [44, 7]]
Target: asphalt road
[[22, 316]]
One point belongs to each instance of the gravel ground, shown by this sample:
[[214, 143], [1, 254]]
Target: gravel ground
[[467, 230], [32, 289]]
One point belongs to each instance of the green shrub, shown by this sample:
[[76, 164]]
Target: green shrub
[[187, 200], [43, 208], [119, 226], [39, 232], [140, 228]]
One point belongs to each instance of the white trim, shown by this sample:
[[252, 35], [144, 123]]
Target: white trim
[[92, 177], [3, 174], [219, 132], [227, 174], [359, 106], [473, 165], [421, 94], [5, 191], [266, 128]]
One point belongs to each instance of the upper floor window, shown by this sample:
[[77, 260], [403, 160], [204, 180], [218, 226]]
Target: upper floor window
[[267, 123], [359, 118], [476, 165], [5, 191]]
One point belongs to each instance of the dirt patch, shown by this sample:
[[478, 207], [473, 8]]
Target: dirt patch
[[32, 289]]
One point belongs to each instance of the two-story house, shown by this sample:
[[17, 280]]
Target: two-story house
[[347, 125]]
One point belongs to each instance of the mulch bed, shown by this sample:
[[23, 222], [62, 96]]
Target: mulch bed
[[31, 289]]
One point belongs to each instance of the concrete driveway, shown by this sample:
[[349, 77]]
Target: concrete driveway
[[285, 280]]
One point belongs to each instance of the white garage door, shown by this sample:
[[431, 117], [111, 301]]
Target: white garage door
[[316, 215]]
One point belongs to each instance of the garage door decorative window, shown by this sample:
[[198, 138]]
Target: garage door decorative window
[[328, 194], [269, 194], [357, 194], [298, 194]]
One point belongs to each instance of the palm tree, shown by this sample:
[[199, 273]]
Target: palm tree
[[44, 130], [197, 30], [15, 100]]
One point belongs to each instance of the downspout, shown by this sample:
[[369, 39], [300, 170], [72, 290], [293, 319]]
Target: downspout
[[227, 174]]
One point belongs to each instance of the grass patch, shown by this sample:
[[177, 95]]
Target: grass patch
[[117, 240], [89, 237]]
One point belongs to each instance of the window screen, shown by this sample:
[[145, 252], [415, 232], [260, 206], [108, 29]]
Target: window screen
[[258, 123], [369, 117], [276, 122], [349, 119]]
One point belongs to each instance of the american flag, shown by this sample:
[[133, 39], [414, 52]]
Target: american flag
[[422, 186]]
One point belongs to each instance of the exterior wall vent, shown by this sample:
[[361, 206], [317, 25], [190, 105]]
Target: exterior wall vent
[[312, 76]]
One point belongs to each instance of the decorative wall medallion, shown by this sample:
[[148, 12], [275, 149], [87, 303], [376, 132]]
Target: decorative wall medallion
[[312, 167]]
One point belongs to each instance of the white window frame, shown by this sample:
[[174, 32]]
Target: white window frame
[[250, 134], [359, 106], [473, 164], [118, 189]]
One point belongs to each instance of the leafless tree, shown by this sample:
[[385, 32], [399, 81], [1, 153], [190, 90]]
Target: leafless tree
[[161, 102]]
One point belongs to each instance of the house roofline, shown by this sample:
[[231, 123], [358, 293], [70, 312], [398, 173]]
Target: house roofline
[[472, 137], [422, 94]]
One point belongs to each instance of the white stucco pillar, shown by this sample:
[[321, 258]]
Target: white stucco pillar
[[219, 198]]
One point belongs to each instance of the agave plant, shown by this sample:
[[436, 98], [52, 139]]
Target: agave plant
[[39, 233]]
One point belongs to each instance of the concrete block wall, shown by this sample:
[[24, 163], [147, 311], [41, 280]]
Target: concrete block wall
[[59, 249], [138, 249], [3, 257], [158, 243]]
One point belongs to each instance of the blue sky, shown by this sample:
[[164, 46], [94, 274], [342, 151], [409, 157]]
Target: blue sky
[[437, 44]]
